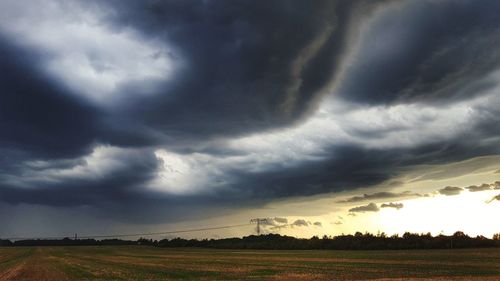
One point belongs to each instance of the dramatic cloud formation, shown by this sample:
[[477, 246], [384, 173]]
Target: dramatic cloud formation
[[392, 205], [372, 207], [99, 72], [163, 111]]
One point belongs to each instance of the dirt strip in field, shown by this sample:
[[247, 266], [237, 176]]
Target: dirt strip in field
[[34, 266]]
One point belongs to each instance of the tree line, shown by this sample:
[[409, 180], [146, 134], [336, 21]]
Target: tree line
[[357, 241], [66, 242]]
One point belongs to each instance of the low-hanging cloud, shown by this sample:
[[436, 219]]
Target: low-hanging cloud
[[392, 205], [477, 188], [371, 207], [450, 190], [281, 220], [279, 223], [301, 223], [496, 185], [379, 195]]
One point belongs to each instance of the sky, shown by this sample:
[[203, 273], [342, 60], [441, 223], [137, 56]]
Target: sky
[[326, 117]]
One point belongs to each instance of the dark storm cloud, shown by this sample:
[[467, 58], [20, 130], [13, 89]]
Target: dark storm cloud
[[392, 205], [242, 60], [349, 167], [119, 184], [119, 194], [426, 50], [371, 207], [35, 114], [44, 123], [250, 66], [450, 190]]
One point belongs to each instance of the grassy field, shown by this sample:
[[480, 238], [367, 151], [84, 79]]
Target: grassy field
[[147, 263]]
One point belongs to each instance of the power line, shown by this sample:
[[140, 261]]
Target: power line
[[131, 234]]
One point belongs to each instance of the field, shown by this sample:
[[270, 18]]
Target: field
[[148, 263]]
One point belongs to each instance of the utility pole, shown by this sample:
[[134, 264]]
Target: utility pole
[[258, 221], [76, 236]]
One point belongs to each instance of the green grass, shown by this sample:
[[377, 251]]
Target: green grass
[[148, 263]]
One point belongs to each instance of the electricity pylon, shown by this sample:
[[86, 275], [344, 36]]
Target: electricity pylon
[[258, 221]]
